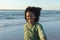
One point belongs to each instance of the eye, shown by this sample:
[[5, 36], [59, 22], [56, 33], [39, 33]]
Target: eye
[[28, 16]]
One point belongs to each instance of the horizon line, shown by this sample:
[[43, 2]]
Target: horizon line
[[15, 9]]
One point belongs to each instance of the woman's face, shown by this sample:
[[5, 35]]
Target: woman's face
[[30, 17]]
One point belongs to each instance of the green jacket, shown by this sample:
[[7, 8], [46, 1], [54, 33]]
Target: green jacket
[[34, 32]]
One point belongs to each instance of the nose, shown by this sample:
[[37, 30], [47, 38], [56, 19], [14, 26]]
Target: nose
[[30, 17]]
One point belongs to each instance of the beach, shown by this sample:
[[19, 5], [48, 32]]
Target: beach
[[12, 25]]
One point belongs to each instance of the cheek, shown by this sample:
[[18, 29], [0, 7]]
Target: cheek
[[27, 19], [33, 19]]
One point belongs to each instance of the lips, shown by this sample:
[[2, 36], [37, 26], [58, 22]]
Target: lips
[[30, 20]]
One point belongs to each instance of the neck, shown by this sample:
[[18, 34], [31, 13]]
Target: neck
[[31, 24]]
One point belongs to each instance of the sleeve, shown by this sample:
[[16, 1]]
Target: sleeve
[[41, 32]]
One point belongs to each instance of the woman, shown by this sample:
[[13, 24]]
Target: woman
[[32, 29]]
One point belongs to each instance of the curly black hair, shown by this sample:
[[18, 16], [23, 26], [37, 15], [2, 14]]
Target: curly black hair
[[35, 11]]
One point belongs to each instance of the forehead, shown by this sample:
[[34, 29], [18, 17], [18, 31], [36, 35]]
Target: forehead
[[29, 13]]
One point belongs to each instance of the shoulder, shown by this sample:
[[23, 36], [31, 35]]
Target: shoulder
[[25, 25], [39, 26]]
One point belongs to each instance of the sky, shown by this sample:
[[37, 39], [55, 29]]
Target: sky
[[22, 4]]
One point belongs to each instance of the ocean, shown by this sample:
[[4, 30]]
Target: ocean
[[12, 24]]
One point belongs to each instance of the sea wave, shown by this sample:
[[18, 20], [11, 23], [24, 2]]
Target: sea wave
[[6, 23], [7, 17]]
